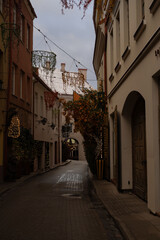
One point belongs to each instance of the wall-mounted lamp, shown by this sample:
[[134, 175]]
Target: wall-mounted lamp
[[43, 121], [53, 126]]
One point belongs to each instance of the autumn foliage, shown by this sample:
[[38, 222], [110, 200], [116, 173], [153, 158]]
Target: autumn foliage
[[88, 112], [69, 4]]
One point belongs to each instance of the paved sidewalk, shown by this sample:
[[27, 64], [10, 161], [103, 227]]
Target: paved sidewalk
[[7, 186], [130, 213]]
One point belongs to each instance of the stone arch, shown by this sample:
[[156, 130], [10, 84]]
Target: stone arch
[[70, 149]]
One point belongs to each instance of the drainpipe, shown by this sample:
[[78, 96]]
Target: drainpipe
[[59, 138], [106, 129], [8, 92], [33, 105]]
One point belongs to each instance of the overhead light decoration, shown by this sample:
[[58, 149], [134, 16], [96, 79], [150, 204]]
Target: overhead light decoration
[[73, 79], [50, 98], [44, 59], [14, 128]]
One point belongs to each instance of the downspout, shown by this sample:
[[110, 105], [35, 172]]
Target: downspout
[[8, 91], [33, 105], [106, 129], [59, 155], [105, 62]]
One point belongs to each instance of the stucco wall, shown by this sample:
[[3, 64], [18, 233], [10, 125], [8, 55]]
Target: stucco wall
[[135, 75]]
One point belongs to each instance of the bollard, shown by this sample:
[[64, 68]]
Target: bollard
[[100, 166]]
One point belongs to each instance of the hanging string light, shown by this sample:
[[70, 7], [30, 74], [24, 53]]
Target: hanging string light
[[14, 128]]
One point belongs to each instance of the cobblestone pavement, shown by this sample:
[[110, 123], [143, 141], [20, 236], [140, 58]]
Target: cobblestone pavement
[[59, 205]]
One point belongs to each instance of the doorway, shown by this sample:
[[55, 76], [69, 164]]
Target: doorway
[[139, 150]]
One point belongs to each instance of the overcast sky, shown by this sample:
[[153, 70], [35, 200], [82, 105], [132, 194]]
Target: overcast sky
[[70, 32]]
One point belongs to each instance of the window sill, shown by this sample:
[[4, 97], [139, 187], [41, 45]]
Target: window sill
[[111, 77], [154, 6], [118, 66], [22, 99], [126, 53], [14, 95], [28, 50], [140, 30]]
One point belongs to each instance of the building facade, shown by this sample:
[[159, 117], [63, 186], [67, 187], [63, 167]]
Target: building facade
[[17, 40], [65, 84], [132, 80], [46, 126], [4, 63]]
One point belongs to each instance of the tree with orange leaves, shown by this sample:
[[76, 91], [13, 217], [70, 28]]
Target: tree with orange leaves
[[69, 4], [88, 113]]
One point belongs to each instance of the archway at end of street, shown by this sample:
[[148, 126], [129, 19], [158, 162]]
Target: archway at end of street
[[70, 149]]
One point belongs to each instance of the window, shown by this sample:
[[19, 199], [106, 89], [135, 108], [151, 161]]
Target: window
[[143, 10], [111, 52], [41, 108], [126, 23], [13, 79], [117, 38], [140, 11], [36, 103], [14, 14], [22, 28], [28, 89], [141, 25], [21, 83], [28, 37]]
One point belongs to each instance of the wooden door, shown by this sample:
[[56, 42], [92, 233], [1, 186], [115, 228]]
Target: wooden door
[[139, 150]]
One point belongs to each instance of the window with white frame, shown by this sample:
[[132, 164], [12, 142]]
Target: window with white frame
[[21, 83], [117, 37], [13, 79], [126, 23]]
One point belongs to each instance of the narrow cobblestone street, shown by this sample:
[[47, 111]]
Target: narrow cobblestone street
[[60, 204]]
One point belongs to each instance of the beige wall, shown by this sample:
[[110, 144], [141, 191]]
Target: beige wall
[[135, 75]]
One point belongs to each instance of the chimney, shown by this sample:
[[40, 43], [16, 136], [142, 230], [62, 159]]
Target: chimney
[[84, 72], [63, 67]]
